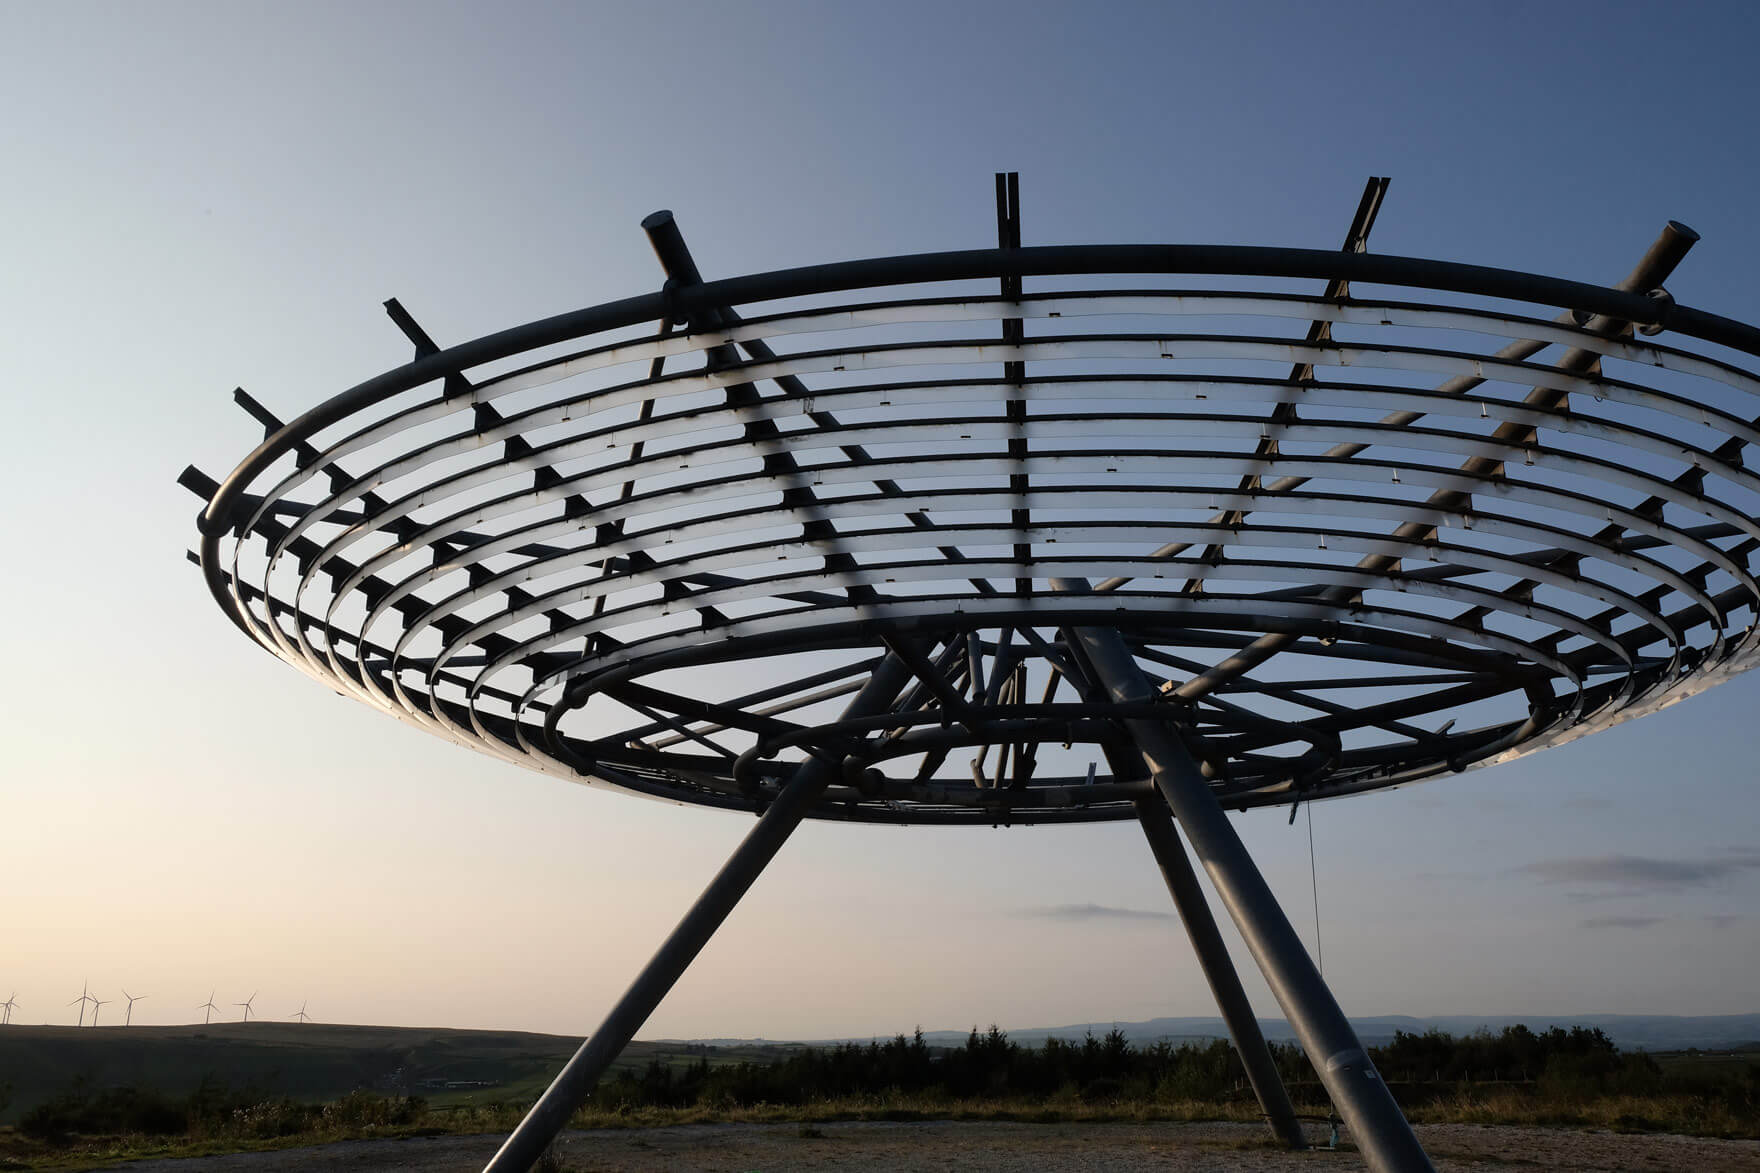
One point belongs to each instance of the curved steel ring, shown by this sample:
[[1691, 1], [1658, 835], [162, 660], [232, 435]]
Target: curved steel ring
[[1357, 557]]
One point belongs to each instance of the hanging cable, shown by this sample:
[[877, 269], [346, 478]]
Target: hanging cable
[[1314, 886]]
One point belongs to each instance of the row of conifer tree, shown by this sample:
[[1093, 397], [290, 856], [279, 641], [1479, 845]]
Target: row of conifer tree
[[1110, 1067]]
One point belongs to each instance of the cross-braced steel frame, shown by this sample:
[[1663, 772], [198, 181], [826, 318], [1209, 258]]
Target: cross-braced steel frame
[[1026, 535]]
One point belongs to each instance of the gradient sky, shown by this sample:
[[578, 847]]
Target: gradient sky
[[201, 196]]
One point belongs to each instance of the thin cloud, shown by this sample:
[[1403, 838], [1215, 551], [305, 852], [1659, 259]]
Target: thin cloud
[[1638, 873], [1724, 920], [1620, 922], [1092, 912]]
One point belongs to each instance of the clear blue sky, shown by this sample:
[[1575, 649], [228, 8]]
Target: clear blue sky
[[205, 195]]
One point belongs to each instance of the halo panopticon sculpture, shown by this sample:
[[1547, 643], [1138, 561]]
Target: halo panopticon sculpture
[[1026, 535]]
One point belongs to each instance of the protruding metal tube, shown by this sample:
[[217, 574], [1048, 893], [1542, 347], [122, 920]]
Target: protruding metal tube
[[1660, 259], [669, 246]]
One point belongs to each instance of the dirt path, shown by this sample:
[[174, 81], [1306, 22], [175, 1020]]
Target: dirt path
[[940, 1147]]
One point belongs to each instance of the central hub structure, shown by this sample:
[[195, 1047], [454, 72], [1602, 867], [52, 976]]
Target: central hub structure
[[1026, 535]]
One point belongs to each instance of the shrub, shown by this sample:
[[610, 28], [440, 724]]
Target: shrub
[[113, 1110], [1102, 1091], [268, 1119], [364, 1109]]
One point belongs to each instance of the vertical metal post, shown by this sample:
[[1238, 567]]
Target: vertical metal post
[[1219, 971], [575, 1082], [1383, 1134]]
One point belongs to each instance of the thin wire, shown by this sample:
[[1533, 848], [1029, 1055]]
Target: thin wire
[[1314, 886]]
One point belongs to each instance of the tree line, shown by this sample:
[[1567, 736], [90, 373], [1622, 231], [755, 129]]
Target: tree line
[[1565, 1065], [1110, 1068]]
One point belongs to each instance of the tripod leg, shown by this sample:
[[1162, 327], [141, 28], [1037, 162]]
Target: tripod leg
[[1219, 971], [575, 1082], [1382, 1132]]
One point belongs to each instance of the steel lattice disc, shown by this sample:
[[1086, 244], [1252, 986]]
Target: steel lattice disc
[[1366, 533]]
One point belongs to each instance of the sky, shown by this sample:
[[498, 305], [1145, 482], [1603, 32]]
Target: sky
[[202, 196]]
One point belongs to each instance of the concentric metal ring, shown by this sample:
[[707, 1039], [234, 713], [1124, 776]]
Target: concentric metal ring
[[1430, 523]]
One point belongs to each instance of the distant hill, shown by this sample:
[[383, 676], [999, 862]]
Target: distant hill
[[1647, 1032], [310, 1061], [317, 1061]]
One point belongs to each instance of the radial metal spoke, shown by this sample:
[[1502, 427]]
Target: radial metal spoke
[[1356, 240], [604, 519], [648, 544]]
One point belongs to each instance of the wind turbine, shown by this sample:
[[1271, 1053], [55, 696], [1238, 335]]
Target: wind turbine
[[8, 1006], [132, 999], [98, 1003], [247, 1006], [209, 1007], [84, 997], [301, 1013]]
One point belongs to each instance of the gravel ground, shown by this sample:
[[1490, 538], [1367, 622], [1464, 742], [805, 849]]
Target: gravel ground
[[943, 1146]]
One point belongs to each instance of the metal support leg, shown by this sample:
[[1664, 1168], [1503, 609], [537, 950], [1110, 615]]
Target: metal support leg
[[1225, 983], [1383, 1135], [575, 1082]]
